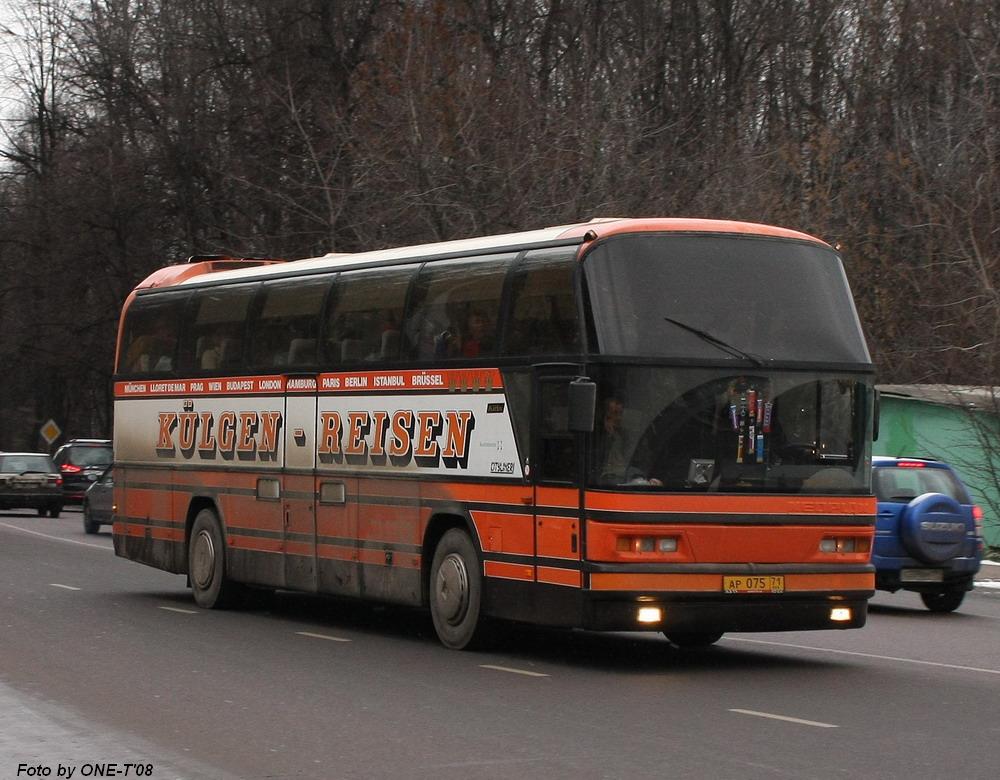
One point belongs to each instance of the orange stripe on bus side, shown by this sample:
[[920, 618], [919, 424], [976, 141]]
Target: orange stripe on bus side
[[554, 576], [377, 558], [509, 571], [336, 552], [254, 543]]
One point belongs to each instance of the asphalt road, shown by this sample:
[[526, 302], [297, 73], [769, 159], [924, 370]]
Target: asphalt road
[[106, 665]]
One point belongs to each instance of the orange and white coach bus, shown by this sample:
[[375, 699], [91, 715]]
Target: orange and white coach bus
[[659, 424]]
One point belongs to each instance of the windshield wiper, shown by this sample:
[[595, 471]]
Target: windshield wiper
[[729, 348]]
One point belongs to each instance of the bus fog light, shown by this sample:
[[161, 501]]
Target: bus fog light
[[828, 545], [667, 544], [840, 614], [650, 614]]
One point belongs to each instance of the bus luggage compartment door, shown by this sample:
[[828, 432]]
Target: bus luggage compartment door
[[299, 485]]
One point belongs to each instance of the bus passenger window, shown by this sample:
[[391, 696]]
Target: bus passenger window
[[543, 319], [214, 339], [151, 334], [364, 321], [455, 308], [286, 327]]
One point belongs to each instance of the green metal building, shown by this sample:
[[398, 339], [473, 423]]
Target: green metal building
[[958, 425]]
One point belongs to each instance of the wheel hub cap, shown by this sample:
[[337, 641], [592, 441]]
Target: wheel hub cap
[[452, 588], [203, 560]]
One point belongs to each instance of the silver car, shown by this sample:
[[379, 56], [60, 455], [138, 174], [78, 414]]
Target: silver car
[[98, 502], [30, 480]]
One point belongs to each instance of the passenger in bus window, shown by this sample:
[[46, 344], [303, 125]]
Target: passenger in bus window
[[152, 350], [617, 448], [476, 339], [211, 352]]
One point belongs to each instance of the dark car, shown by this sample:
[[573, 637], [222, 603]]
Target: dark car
[[81, 462], [30, 480], [928, 535], [98, 501]]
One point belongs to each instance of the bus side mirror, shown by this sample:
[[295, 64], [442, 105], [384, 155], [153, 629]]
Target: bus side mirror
[[582, 405], [876, 412]]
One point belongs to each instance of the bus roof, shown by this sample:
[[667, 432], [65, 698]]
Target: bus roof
[[575, 234]]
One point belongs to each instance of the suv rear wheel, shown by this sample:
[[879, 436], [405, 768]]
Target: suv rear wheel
[[945, 601]]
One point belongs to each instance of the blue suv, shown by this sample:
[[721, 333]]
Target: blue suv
[[928, 535]]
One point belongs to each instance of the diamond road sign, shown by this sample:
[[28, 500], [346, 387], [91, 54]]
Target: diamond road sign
[[50, 431]]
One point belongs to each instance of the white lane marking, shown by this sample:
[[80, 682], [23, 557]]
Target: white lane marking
[[66, 587], [866, 655], [772, 716], [182, 611], [322, 636], [525, 672], [55, 538]]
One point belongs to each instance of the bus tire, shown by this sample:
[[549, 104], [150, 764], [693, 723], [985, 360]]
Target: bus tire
[[211, 587], [694, 639], [456, 591]]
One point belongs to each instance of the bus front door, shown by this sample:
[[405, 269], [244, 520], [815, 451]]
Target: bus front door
[[555, 466]]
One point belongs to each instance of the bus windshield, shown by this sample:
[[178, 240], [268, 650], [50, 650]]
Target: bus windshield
[[702, 430], [715, 297]]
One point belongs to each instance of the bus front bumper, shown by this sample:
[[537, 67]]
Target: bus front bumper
[[673, 599], [697, 614]]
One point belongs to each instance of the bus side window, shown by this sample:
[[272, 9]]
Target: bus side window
[[216, 323], [543, 316], [285, 330], [363, 324], [151, 334], [455, 308]]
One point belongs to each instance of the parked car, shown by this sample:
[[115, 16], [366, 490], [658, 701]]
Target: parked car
[[81, 462], [30, 480], [97, 502], [928, 534]]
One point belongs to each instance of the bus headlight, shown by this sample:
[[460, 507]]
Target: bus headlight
[[646, 544], [650, 615], [845, 544]]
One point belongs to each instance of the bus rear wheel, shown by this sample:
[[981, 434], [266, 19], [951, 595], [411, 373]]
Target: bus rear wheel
[[207, 564], [456, 590]]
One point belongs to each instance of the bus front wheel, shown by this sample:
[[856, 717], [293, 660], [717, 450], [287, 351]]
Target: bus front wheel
[[694, 639], [456, 590], [207, 564]]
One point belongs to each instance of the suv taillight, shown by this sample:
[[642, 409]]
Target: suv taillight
[[977, 515], [69, 468]]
